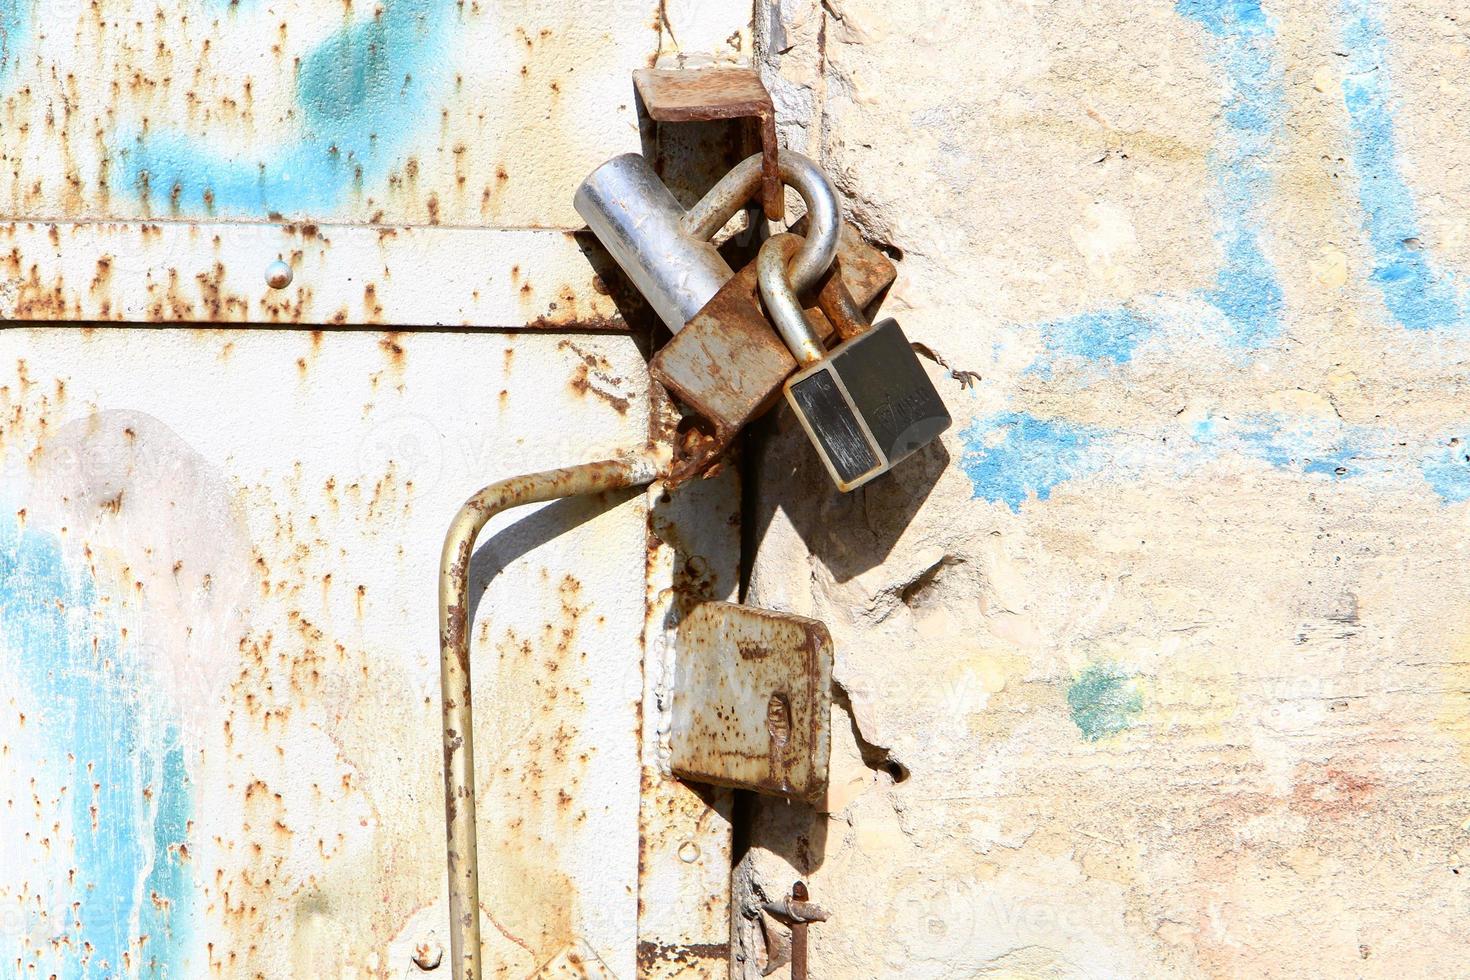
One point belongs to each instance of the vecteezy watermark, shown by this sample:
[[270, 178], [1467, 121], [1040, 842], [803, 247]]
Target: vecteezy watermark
[[14, 924], [98, 464], [410, 446], [960, 922]]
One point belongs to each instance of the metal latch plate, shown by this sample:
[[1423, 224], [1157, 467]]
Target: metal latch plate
[[752, 701], [706, 94]]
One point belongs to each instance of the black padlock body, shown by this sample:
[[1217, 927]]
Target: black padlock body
[[868, 405]]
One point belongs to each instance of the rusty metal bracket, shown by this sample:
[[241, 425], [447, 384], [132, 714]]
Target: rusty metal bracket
[[709, 94], [797, 912], [752, 701]]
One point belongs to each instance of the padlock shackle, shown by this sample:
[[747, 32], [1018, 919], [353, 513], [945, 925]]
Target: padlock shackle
[[823, 207], [782, 303]]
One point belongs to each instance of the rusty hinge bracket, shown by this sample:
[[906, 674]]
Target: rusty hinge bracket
[[752, 701], [708, 94]]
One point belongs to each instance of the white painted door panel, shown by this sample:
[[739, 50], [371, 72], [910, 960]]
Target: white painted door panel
[[220, 727]]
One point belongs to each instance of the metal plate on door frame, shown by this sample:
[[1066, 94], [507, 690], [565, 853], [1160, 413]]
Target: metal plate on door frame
[[752, 700]]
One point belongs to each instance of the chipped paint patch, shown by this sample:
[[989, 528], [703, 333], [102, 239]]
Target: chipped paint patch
[[1015, 456], [1103, 701], [1447, 470], [1105, 335], [1224, 17]]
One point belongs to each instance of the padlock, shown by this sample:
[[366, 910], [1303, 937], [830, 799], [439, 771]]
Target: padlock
[[725, 365], [868, 404]]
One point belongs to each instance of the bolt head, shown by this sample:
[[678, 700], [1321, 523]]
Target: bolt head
[[428, 955], [278, 275]]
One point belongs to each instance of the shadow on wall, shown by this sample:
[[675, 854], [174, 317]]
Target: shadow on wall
[[797, 832], [849, 533]]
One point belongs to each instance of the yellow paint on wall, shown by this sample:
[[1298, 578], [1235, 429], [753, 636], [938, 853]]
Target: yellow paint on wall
[[1195, 692], [1454, 714], [1331, 267]]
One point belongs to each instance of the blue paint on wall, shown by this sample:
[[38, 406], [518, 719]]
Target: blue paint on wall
[[1224, 17], [1103, 700], [90, 698], [1247, 292], [1418, 296], [361, 95], [1246, 289], [1264, 443], [1106, 335], [1309, 447], [1447, 470], [1338, 462], [1015, 457], [14, 28]]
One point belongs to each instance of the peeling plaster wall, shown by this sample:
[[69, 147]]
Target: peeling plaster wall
[[1160, 664]]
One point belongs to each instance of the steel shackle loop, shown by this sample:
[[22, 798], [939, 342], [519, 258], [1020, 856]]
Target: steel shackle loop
[[782, 303], [823, 206]]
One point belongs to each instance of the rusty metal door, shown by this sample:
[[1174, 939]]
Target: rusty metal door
[[286, 282]]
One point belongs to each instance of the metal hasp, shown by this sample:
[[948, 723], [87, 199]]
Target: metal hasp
[[708, 94], [724, 365], [642, 226], [752, 701], [867, 405], [454, 670]]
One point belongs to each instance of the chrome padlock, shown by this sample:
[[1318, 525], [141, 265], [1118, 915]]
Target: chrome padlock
[[726, 364], [666, 251], [867, 405]]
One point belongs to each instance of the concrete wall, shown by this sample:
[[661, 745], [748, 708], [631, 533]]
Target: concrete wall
[[1159, 665]]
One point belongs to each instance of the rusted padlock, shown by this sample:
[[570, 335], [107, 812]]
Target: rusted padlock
[[725, 364], [866, 405], [666, 251]]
